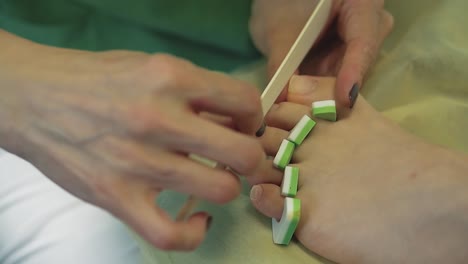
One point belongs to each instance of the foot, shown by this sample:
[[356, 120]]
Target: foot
[[363, 183]]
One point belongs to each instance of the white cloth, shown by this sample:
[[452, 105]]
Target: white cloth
[[42, 223]]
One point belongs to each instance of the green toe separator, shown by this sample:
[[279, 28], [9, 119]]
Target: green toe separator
[[325, 112], [290, 181], [284, 155], [301, 130], [284, 230]]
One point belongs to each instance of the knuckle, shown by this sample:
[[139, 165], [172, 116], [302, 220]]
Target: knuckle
[[168, 71], [146, 120], [368, 49], [140, 122]]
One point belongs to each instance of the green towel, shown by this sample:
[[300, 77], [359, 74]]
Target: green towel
[[211, 33]]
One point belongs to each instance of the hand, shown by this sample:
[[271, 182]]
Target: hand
[[115, 129], [370, 192], [347, 47]]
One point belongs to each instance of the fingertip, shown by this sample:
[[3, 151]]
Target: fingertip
[[222, 191], [199, 219], [156, 226], [266, 198], [347, 87], [186, 235], [261, 130]]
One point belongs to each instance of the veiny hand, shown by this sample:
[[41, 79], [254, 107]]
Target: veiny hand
[[115, 129], [370, 192], [347, 47]]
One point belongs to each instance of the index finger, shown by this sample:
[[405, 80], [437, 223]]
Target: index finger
[[219, 93]]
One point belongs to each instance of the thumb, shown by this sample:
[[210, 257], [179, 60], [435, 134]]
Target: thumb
[[156, 226], [267, 199], [359, 28]]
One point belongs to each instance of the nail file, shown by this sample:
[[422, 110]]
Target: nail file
[[301, 130], [296, 54], [291, 62]]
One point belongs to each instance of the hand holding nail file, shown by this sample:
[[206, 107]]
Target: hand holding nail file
[[293, 59]]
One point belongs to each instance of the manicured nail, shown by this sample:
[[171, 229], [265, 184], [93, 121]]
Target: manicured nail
[[353, 94], [302, 85], [261, 131], [208, 222], [256, 193]]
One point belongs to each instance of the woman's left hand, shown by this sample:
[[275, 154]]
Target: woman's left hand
[[347, 47]]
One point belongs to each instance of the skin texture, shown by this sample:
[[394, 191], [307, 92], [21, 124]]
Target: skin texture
[[109, 126], [115, 128], [346, 50], [408, 208]]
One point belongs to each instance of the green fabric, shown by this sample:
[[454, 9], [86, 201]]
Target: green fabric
[[210, 33]]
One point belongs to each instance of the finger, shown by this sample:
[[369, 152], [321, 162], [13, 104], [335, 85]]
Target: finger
[[386, 24], [186, 132], [359, 28], [267, 199], [273, 176], [286, 115], [242, 153], [153, 224], [271, 140], [304, 89], [220, 94], [165, 170], [216, 185], [218, 119]]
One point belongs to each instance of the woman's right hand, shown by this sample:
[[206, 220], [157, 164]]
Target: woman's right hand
[[116, 128]]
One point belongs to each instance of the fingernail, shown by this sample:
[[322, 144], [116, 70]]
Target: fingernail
[[353, 94], [302, 85], [208, 222], [256, 193], [261, 130]]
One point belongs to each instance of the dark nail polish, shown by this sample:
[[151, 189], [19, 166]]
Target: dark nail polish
[[353, 94], [261, 131], [208, 222]]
